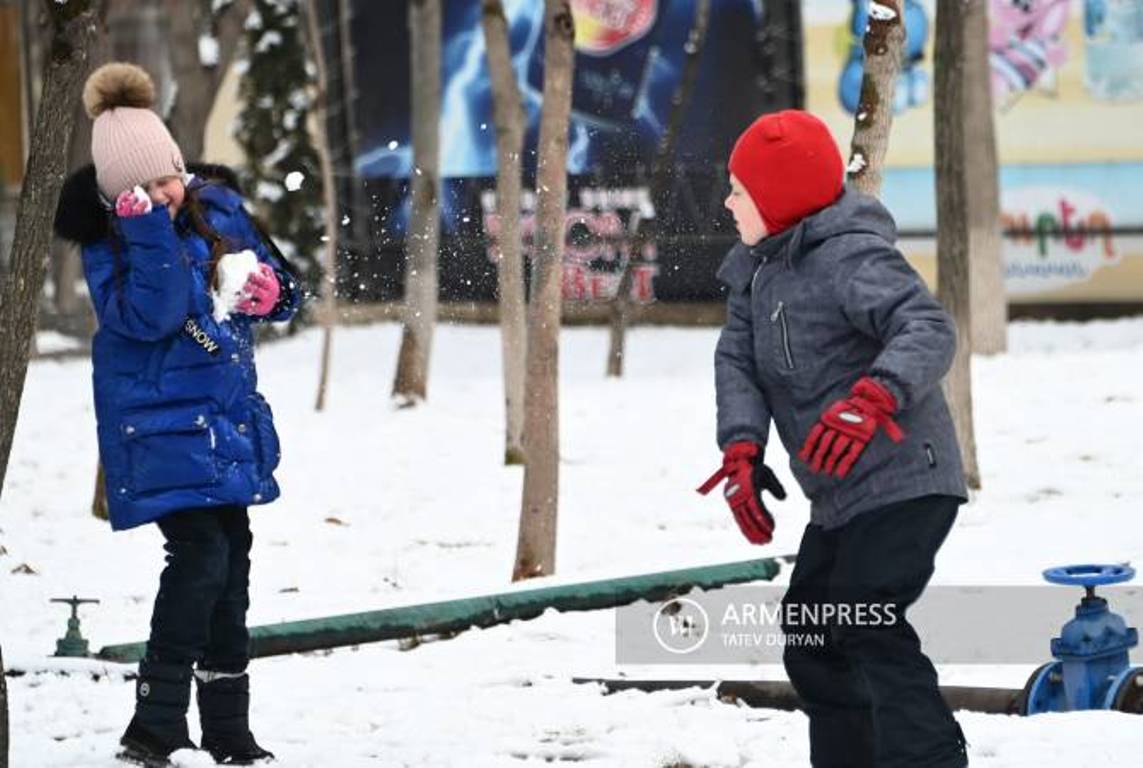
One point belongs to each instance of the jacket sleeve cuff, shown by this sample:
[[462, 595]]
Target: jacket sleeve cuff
[[743, 437], [892, 387]]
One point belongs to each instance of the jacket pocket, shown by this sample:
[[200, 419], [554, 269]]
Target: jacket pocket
[[779, 320], [170, 447], [268, 448]]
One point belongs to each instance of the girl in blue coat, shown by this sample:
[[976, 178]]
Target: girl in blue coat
[[185, 439]]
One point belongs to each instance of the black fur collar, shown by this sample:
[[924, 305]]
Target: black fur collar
[[81, 215]]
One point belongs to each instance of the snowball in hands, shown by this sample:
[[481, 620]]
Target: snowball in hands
[[234, 269]]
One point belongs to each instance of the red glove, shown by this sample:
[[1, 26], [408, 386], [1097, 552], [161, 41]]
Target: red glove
[[848, 425], [261, 292], [132, 202], [746, 477]]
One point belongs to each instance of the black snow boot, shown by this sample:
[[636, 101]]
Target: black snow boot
[[224, 709], [159, 727]]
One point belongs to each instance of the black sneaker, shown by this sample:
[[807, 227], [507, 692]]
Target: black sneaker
[[149, 747], [240, 750]]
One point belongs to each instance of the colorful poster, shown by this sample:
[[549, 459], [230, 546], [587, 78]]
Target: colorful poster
[[630, 57], [1067, 82], [1067, 76]]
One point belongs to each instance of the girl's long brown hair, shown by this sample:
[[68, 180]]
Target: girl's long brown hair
[[218, 246]]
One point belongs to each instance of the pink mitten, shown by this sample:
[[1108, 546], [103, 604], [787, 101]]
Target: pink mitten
[[132, 202], [261, 292]]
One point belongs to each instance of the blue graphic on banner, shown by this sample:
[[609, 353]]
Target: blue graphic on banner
[[626, 73]]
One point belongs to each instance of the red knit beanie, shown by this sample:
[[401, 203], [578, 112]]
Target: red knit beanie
[[790, 165]]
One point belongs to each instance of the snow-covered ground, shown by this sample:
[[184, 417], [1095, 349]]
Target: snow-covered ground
[[383, 507]]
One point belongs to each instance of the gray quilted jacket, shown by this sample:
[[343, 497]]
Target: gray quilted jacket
[[810, 311]]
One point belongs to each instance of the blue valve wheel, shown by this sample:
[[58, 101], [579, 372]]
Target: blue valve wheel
[[1089, 575]]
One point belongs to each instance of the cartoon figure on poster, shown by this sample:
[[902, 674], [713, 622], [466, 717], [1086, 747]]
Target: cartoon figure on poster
[[912, 83], [1026, 46]]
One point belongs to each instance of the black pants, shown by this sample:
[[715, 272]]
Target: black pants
[[200, 611], [870, 693]]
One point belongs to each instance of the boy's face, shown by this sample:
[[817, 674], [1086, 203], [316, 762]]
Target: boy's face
[[746, 217], [168, 191]]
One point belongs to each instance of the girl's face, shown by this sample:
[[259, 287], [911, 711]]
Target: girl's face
[[168, 191], [746, 217]]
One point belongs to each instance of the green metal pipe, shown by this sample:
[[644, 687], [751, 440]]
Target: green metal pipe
[[484, 611]]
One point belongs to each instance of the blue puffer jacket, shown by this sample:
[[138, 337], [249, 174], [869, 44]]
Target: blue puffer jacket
[[181, 423]]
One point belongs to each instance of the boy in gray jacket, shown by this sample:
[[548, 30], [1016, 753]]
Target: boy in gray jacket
[[834, 338]]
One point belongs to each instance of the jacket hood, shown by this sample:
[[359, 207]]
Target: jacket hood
[[852, 213], [83, 217]]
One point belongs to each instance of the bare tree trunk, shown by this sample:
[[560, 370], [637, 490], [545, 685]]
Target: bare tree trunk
[[985, 244], [953, 287], [99, 508], [73, 29], [410, 385], [30, 64], [508, 114], [884, 46], [66, 265], [660, 173], [322, 145], [139, 33], [356, 200], [66, 271], [536, 545], [202, 45]]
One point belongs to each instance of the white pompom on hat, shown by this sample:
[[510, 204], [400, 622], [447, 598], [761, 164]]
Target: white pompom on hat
[[130, 146]]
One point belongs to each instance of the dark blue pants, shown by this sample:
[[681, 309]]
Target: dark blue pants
[[871, 695], [200, 611]]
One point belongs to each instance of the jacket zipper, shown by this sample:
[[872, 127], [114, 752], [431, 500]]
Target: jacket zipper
[[931, 455], [779, 316]]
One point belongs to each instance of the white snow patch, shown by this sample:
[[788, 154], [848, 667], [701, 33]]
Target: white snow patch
[[269, 39], [268, 191], [54, 341], [208, 50], [856, 163], [409, 539], [294, 180], [881, 12], [233, 271]]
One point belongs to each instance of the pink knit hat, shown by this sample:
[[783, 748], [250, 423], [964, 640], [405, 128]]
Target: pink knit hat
[[130, 146]]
